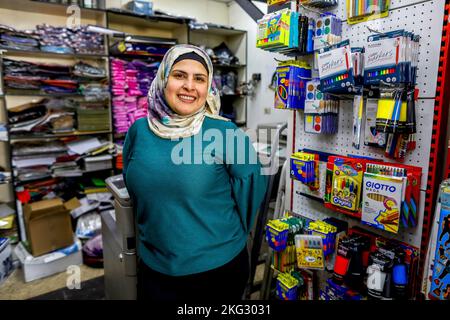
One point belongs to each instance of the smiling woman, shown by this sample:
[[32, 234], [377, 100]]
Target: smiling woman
[[193, 217], [187, 86]]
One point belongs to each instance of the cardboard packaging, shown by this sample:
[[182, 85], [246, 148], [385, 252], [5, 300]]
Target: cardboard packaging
[[39, 267], [48, 225]]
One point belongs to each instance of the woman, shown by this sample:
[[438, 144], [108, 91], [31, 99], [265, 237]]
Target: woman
[[195, 198]]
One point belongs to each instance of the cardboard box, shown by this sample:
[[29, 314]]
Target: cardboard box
[[48, 226], [39, 267]]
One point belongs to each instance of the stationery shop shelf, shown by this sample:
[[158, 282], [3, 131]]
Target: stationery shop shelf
[[229, 66], [136, 56], [156, 20], [42, 178], [38, 6], [13, 92], [40, 53], [36, 136], [218, 30]]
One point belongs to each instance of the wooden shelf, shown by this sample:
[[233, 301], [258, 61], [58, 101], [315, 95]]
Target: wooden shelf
[[154, 21], [217, 30], [36, 6], [36, 136], [40, 53]]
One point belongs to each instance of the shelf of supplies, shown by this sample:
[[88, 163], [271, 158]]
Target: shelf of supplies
[[125, 17], [40, 53], [38, 6], [229, 66], [219, 30], [136, 56], [16, 137], [50, 176], [12, 92]]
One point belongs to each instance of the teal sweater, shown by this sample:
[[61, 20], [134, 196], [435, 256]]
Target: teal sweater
[[195, 205]]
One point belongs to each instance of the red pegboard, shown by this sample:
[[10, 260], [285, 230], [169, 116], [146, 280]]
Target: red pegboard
[[438, 138]]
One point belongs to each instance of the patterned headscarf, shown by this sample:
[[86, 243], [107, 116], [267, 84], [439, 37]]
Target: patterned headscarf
[[165, 122]]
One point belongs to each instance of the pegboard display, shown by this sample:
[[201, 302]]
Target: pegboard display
[[420, 17], [315, 210], [341, 143], [341, 10], [416, 18]]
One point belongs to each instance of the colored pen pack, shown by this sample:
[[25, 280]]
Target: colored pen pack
[[336, 68], [365, 10], [391, 57], [344, 183], [291, 84], [327, 232], [321, 110], [286, 287]]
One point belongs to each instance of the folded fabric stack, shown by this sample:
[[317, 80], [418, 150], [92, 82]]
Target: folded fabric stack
[[53, 39], [130, 84], [65, 40], [54, 78], [19, 40], [86, 71]]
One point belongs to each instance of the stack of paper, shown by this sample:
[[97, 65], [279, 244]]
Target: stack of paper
[[93, 119]]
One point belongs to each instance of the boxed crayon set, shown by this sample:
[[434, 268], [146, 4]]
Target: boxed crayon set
[[365, 10]]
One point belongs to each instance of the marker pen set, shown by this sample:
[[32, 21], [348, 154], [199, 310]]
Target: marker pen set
[[364, 10], [280, 235], [321, 110], [287, 286], [292, 77], [278, 30], [391, 57], [396, 117], [286, 31], [327, 232], [358, 64], [305, 168], [335, 68], [370, 265]]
